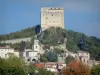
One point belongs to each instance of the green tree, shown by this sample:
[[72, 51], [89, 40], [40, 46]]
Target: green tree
[[51, 56], [95, 70], [69, 59], [11, 67], [42, 71], [58, 51], [43, 58]]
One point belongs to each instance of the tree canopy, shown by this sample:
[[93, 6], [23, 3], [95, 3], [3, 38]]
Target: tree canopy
[[76, 68], [95, 70]]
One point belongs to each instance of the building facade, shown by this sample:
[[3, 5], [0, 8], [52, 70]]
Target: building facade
[[83, 56], [5, 52], [52, 17]]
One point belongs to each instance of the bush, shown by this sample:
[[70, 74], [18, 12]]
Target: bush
[[95, 70], [76, 68]]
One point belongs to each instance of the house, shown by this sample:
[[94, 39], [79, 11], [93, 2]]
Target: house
[[54, 66], [83, 56], [6, 51], [51, 66]]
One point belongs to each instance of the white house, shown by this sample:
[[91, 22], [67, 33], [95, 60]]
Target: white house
[[5, 51], [83, 56], [54, 66], [30, 55]]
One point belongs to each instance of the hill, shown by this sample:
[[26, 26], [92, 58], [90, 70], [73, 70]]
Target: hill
[[24, 33], [55, 36]]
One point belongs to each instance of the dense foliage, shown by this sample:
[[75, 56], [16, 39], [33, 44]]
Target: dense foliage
[[16, 66], [95, 70], [51, 56], [11, 66], [76, 68], [19, 34], [43, 58], [52, 36], [69, 59]]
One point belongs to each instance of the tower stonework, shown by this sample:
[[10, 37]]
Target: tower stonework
[[52, 17]]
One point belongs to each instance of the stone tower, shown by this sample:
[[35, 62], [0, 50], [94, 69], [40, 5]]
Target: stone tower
[[52, 17]]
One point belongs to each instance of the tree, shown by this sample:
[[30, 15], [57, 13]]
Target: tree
[[43, 58], [11, 67], [16, 46], [42, 71], [69, 59], [51, 56], [14, 61], [95, 70], [58, 51], [76, 68]]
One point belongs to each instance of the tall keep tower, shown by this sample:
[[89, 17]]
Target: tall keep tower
[[52, 17]]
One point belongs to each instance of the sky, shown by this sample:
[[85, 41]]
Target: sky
[[80, 15]]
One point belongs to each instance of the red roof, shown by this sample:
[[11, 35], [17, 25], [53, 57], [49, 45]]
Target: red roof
[[40, 65]]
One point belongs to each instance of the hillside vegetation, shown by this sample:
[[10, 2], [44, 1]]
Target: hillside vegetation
[[55, 36], [19, 34]]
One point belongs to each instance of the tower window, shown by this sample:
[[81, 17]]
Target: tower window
[[36, 46]]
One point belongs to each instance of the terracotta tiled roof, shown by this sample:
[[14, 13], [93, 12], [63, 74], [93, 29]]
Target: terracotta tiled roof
[[40, 65]]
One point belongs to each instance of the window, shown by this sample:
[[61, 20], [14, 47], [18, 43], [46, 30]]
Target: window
[[36, 46]]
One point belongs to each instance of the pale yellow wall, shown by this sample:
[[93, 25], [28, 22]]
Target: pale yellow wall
[[52, 17]]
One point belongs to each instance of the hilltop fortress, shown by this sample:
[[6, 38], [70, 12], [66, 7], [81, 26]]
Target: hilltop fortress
[[52, 17]]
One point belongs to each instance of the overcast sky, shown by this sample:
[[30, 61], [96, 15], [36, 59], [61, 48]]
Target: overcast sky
[[80, 15]]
